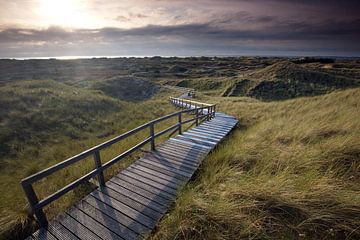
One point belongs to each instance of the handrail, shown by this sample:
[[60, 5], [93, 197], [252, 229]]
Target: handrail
[[192, 102], [202, 111]]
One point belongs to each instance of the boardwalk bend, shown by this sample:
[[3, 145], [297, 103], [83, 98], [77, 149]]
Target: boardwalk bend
[[130, 204]]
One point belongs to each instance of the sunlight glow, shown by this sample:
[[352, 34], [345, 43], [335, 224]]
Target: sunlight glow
[[67, 13]]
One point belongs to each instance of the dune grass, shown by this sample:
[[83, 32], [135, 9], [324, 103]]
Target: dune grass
[[291, 170], [47, 122]]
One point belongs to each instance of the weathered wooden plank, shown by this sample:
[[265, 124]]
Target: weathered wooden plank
[[180, 152], [135, 181], [172, 174], [190, 143], [151, 182], [43, 234], [163, 159], [59, 231], [196, 140], [208, 133], [216, 127], [77, 228], [183, 158], [189, 164], [179, 149], [187, 146], [112, 224], [143, 192], [159, 167], [135, 215], [92, 224], [214, 130], [144, 209], [207, 138], [157, 179], [202, 137], [157, 174], [136, 197], [114, 213]]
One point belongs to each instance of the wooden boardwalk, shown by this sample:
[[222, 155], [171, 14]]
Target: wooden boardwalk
[[130, 204]]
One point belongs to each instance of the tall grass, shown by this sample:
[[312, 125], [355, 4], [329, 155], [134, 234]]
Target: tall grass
[[101, 118], [291, 170]]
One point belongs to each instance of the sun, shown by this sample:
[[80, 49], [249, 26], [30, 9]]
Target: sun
[[67, 13]]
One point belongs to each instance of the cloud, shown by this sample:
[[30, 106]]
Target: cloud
[[279, 30]]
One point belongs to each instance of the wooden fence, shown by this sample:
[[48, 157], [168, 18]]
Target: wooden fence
[[202, 112]]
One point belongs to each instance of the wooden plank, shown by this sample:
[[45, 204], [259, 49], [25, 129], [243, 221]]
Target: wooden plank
[[172, 174], [158, 174], [183, 157], [92, 224], [189, 165], [143, 192], [77, 228], [166, 159], [135, 215], [205, 151], [151, 182], [205, 128], [215, 127], [144, 185], [43, 234], [181, 152], [136, 197], [131, 203], [112, 224], [206, 132], [183, 147], [164, 168], [208, 138], [114, 213], [189, 143], [218, 126], [59, 231], [155, 178], [197, 140]]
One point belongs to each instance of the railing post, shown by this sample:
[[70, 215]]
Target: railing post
[[208, 113], [100, 175], [180, 123], [33, 200], [152, 135], [197, 117], [214, 111]]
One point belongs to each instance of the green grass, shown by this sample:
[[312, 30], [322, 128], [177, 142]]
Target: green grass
[[291, 170], [44, 122]]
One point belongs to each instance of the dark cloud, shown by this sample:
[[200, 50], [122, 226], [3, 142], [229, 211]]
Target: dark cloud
[[330, 27], [282, 30]]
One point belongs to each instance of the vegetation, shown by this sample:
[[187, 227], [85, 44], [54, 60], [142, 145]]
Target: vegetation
[[291, 170], [44, 122], [284, 80]]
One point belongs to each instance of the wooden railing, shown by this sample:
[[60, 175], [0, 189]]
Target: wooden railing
[[202, 111]]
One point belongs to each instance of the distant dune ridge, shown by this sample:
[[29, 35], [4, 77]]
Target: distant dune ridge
[[284, 80]]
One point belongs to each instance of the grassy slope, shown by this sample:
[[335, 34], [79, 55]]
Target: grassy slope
[[290, 170], [44, 122], [285, 80]]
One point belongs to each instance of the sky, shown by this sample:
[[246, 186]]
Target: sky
[[50, 28]]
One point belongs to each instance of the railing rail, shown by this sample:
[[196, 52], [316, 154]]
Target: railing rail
[[202, 111]]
